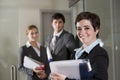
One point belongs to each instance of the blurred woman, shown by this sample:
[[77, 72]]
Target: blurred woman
[[34, 50]]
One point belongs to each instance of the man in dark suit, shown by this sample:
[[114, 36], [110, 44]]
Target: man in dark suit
[[60, 42]]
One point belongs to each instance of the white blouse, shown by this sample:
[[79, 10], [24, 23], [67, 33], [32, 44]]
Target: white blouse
[[36, 50]]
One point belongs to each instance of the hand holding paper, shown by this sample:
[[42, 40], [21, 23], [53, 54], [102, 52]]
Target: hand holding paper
[[40, 71], [30, 63], [57, 76], [69, 68]]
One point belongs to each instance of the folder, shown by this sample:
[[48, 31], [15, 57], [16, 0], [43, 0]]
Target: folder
[[30, 63], [70, 68]]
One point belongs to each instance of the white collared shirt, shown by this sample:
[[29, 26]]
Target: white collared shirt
[[79, 51], [58, 34], [36, 50]]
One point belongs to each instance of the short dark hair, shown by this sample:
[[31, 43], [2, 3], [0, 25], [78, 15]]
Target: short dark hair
[[58, 16], [92, 17]]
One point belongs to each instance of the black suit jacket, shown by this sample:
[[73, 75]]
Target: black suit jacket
[[30, 52], [64, 47], [99, 62]]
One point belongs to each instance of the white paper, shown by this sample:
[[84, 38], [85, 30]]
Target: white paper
[[49, 56], [70, 68], [30, 63]]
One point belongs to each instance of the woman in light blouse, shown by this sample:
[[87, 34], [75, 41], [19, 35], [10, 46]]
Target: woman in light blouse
[[87, 29]]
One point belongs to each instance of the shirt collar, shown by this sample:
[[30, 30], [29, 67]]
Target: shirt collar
[[28, 44], [90, 47], [79, 51], [58, 34]]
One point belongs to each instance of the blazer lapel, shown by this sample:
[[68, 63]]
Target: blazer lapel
[[32, 53], [49, 42], [59, 42], [84, 55]]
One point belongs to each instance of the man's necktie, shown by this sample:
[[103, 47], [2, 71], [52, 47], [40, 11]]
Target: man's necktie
[[53, 42]]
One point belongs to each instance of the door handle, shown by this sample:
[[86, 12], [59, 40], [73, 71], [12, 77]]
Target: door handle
[[13, 72]]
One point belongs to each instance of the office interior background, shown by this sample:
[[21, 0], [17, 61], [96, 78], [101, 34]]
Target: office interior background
[[16, 15]]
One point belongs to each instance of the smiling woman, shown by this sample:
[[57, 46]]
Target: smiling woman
[[88, 26], [34, 50]]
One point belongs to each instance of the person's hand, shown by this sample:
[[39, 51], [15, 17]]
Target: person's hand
[[57, 76], [40, 72]]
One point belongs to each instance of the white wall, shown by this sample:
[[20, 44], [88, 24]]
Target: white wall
[[60, 4], [29, 13]]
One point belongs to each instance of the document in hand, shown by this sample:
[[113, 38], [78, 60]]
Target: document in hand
[[30, 63], [70, 68]]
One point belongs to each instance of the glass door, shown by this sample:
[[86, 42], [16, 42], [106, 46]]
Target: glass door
[[116, 20], [8, 39]]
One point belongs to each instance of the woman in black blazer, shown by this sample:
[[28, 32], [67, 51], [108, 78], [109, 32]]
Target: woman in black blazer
[[88, 27], [35, 51]]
